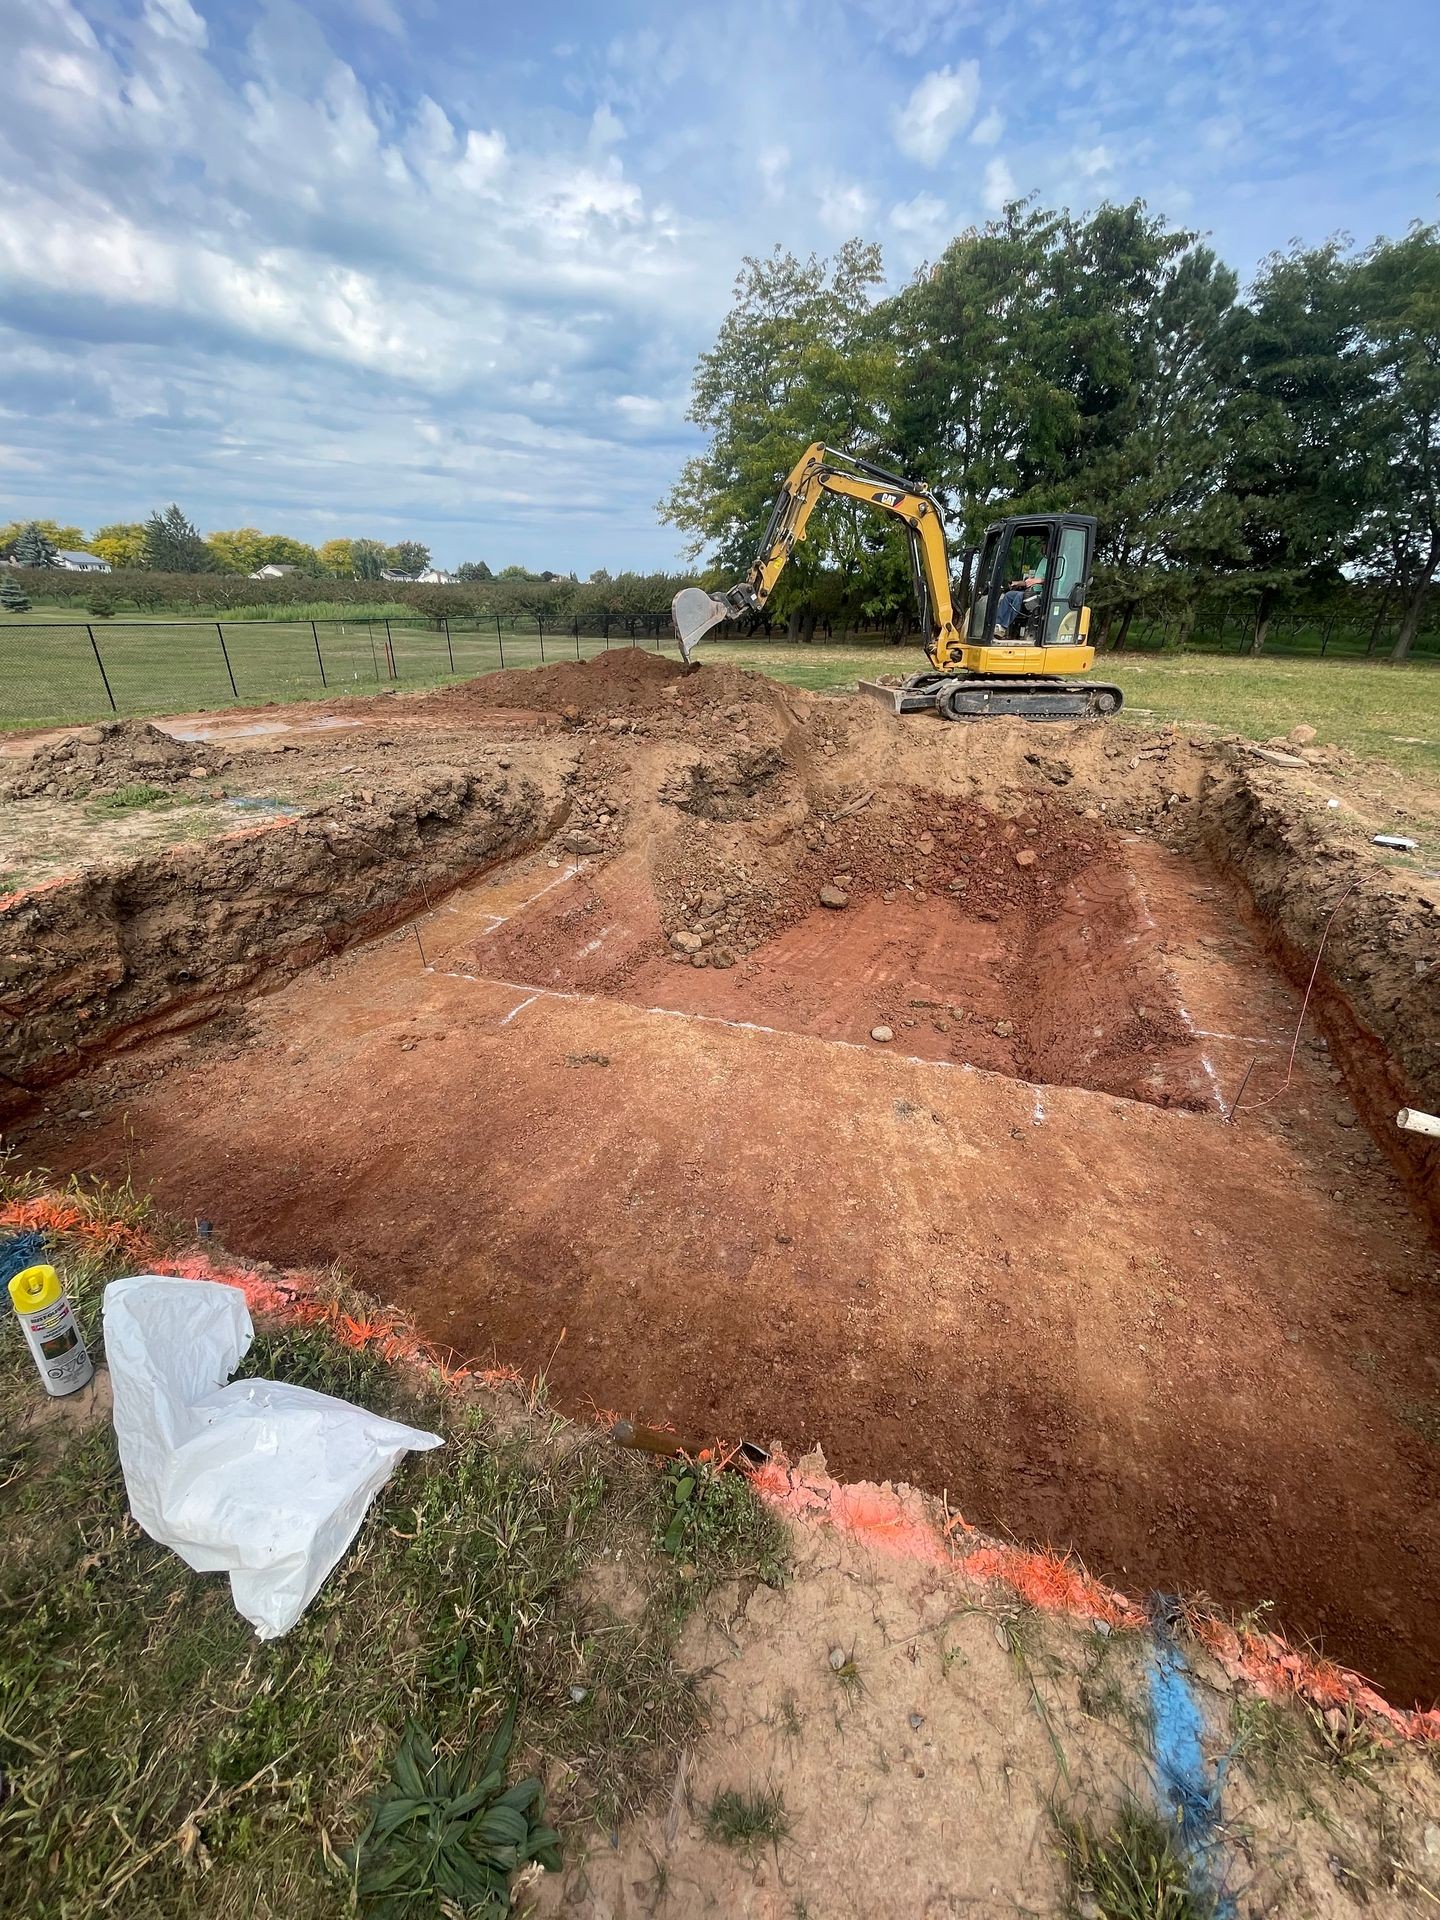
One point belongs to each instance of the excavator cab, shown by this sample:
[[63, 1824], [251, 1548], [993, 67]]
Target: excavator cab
[[1031, 582]]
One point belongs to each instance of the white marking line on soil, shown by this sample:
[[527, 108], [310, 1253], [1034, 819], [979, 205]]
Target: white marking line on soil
[[500, 919], [520, 1009], [1180, 1006], [1249, 1039]]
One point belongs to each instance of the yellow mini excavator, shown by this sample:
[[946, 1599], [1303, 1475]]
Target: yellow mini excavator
[[1028, 625]]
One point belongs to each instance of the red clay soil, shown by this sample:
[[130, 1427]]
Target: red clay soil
[[1033, 1268], [1197, 1353]]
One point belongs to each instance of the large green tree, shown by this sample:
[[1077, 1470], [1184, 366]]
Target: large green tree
[[1399, 290], [34, 548], [1298, 410], [410, 557], [56, 534], [173, 544], [798, 358], [122, 543]]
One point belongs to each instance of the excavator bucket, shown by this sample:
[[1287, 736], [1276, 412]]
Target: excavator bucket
[[695, 612]]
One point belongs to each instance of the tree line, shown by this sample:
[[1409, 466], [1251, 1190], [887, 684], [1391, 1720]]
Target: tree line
[[169, 542], [1263, 447]]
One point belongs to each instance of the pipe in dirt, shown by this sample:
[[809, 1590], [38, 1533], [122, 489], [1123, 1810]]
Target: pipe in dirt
[[1414, 1121]]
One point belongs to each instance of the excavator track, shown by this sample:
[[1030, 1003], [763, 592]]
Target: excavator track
[[982, 696]]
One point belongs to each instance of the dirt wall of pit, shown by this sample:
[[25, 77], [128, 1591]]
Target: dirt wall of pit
[[121, 952], [1376, 993]]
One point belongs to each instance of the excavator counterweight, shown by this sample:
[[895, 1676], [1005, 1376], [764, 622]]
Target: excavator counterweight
[[1027, 626]]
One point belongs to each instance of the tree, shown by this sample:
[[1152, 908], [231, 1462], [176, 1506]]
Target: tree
[[368, 559], [1399, 286], [122, 544], [13, 597], [34, 548], [337, 557], [409, 557], [173, 544], [58, 536], [240, 551], [798, 358], [470, 570], [1300, 392]]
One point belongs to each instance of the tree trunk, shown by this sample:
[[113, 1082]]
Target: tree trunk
[[792, 626], [1410, 623], [1125, 618], [807, 626], [1262, 625], [1415, 607], [1101, 638]]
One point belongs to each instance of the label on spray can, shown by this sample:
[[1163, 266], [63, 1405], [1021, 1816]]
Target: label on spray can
[[50, 1330]]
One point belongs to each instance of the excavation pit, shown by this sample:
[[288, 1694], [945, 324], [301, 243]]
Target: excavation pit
[[448, 1044]]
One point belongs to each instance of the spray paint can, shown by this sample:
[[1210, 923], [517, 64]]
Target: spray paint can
[[51, 1333]]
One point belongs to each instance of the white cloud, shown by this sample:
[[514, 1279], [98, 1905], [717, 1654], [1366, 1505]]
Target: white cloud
[[176, 20], [938, 109], [988, 130], [774, 163], [999, 185], [922, 215], [1091, 162], [606, 128], [845, 206]]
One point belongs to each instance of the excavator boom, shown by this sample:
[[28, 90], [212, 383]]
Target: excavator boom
[[1020, 634]]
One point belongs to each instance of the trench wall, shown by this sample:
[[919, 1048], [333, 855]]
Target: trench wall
[[114, 954]]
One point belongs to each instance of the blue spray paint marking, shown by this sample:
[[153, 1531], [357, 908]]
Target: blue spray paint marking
[[1187, 1782], [23, 1250]]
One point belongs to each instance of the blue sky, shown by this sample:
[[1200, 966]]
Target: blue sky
[[412, 267]]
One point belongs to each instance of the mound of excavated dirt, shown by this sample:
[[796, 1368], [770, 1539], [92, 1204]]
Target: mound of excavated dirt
[[122, 753], [624, 680]]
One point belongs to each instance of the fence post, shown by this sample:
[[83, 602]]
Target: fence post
[[577, 636], [370, 636], [315, 636], [1325, 637], [500, 640], [448, 648], [390, 652], [101, 664], [228, 668], [607, 632], [540, 623]]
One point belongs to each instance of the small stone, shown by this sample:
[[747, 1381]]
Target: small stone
[[684, 942], [833, 896], [916, 1721], [837, 1659], [1026, 857], [1004, 1029], [882, 1034], [1302, 736], [700, 960]]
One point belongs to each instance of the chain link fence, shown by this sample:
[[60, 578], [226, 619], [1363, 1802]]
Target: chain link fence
[[58, 671]]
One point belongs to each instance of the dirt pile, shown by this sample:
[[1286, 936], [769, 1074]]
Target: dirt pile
[[121, 753], [624, 681]]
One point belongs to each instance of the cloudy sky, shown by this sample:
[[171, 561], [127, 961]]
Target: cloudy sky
[[418, 267]]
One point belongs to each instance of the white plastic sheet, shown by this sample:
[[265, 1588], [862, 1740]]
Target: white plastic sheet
[[266, 1482]]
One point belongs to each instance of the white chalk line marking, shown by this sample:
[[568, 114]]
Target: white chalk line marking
[[1190, 1027], [500, 919], [872, 1051]]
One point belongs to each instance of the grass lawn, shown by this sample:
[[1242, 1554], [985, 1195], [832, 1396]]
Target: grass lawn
[[1383, 713], [159, 666]]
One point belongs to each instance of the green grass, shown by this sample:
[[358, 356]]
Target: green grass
[[1129, 1870], [1384, 713], [49, 677], [748, 1818], [160, 1761]]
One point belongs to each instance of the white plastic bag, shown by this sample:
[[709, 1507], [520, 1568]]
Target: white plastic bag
[[264, 1481]]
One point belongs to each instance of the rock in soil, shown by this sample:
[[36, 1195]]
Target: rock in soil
[[833, 896], [881, 1033]]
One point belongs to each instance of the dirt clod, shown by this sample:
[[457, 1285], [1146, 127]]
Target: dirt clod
[[102, 759]]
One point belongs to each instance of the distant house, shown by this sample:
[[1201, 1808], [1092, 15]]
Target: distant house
[[438, 577], [272, 570], [82, 562]]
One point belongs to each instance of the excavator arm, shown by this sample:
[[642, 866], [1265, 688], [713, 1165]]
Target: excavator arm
[[820, 470]]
